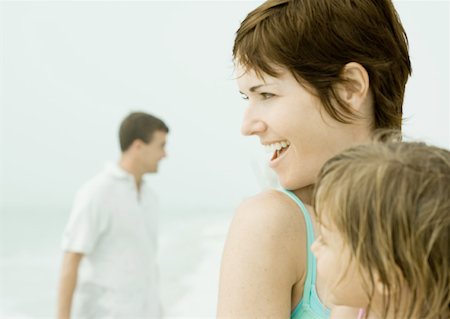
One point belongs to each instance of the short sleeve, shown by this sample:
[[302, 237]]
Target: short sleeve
[[86, 224]]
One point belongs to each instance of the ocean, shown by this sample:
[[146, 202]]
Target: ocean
[[190, 247]]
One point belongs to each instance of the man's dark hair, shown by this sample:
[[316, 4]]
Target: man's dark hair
[[139, 126]]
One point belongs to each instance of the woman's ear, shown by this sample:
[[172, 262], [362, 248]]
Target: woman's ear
[[354, 91]]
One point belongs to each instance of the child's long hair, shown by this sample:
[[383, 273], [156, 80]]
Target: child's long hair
[[390, 202]]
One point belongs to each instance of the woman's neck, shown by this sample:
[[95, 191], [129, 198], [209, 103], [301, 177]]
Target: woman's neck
[[305, 194]]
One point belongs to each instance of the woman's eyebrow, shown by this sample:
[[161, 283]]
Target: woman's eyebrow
[[256, 87]]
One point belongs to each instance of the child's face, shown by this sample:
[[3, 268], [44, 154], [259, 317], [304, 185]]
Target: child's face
[[343, 280]]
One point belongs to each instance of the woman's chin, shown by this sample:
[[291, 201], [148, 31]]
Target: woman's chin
[[292, 184]]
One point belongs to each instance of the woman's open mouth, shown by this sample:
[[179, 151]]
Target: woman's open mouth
[[277, 149]]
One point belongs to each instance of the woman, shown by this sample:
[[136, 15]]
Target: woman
[[319, 76]]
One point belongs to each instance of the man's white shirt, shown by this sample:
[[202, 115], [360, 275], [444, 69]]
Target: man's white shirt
[[115, 227]]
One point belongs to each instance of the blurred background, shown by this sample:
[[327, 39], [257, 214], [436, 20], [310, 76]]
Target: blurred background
[[70, 72]]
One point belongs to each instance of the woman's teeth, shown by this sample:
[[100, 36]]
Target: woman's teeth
[[276, 147]]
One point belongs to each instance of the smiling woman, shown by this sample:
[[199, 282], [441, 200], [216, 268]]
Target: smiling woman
[[283, 111], [319, 77]]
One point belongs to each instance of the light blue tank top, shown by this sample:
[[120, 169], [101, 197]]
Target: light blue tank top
[[310, 306]]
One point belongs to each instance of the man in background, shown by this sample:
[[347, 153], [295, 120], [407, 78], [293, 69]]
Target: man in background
[[109, 267]]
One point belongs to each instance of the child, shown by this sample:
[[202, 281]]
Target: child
[[384, 211]]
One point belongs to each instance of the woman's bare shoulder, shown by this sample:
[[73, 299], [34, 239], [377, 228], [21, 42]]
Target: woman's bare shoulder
[[270, 222], [263, 257], [273, 207], [275, 217]]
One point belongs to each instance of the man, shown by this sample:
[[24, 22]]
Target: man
[[109, 268]]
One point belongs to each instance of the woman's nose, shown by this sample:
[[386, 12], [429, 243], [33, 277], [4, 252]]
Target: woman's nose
[[252, 124]]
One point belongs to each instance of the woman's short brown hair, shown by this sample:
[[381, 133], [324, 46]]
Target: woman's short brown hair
[[390, 202], [315, 39]]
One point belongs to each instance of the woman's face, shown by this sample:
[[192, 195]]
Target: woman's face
[[292, 122]]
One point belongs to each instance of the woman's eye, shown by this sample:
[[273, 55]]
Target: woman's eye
[[244, 97], [267, 95]]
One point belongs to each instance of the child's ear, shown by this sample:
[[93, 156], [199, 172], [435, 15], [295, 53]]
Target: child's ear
[[381, 288], [354, 91]]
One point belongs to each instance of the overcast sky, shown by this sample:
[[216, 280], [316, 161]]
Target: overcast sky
[[70, 71]]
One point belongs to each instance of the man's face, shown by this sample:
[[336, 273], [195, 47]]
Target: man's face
[[153, 152]]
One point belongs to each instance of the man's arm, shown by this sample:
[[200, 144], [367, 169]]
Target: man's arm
[[68, 282]]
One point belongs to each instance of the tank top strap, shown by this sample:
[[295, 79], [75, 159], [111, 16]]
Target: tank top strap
[[310, 281]]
